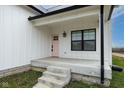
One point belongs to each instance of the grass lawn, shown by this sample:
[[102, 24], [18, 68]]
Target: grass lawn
[[20, 80], [117, 77], [29, 78]]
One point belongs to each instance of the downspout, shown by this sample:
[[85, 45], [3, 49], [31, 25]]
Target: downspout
[[102, 42]]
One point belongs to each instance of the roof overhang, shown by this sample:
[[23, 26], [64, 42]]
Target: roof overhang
[[70, 13], [66, 16], [36, 9], [71, 8], [108, 9], [110, 12]]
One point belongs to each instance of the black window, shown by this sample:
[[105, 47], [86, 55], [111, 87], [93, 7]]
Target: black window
[[83, 40], [77, 40]]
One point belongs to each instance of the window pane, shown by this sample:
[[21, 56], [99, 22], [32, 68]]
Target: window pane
[[76, 45], [89, 45], [77, 35], [89, 35]]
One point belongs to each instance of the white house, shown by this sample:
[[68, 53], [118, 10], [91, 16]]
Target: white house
[[76, 37]]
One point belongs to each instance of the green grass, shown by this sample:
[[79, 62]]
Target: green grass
[[117, 77], [29, 79], [118, 61], [20, 80]]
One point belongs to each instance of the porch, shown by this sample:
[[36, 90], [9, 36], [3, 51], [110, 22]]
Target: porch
[[83, 61], [77, 66]]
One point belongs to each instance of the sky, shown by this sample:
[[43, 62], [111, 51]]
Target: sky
[[118, 27]]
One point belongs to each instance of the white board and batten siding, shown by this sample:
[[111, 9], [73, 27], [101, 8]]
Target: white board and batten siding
[[19, 40]]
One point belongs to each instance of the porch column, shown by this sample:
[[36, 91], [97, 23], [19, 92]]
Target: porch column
[[102, 42]]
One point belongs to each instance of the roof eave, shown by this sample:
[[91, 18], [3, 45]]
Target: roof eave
[[58, 11], [36, 9], [111, 11]]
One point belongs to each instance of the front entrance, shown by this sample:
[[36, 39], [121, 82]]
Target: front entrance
[[55, 46]]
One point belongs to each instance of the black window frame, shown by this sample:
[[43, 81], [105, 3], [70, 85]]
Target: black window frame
[[82, 41]]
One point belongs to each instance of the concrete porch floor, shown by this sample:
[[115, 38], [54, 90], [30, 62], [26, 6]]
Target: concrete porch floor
[[78, 66]]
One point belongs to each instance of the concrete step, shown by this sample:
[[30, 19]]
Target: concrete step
[[51, 82], [41, 85], [55, 75], [60, 70]]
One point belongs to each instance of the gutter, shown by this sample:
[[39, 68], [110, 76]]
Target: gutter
[[111, 11], [58, 11]]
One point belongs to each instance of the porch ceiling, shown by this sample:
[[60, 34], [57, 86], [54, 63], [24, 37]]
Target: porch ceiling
[[83, 20], [83, 13]]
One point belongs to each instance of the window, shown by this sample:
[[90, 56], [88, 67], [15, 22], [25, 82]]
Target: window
[[77, 40], [83, 40], [89, 40]]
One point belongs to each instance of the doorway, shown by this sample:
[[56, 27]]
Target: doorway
[[55, 46]]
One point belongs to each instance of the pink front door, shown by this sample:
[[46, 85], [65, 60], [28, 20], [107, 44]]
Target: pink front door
[[55, 46]]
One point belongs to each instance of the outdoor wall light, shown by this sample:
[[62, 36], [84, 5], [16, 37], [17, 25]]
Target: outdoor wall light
[[64, 34]]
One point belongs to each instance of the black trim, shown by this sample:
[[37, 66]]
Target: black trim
[[102, 42], [58, 11], [36, 9], [76, 40], [110, 13], [82, 31]]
